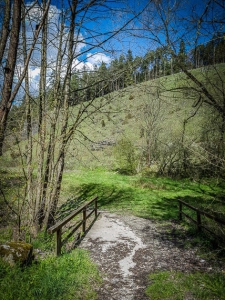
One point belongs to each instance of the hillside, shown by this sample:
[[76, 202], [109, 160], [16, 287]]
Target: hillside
[[162, 121], [151, 117]]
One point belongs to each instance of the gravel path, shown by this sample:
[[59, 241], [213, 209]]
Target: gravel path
[[128, 248]]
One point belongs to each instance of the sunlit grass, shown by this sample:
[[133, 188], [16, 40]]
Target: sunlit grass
[[149, 197], [71, 276], [178, 286]]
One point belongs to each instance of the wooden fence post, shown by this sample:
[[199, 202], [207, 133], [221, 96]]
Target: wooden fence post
[[58, 241], [96, 208], [84, 218], [180, 211], [199, 223]]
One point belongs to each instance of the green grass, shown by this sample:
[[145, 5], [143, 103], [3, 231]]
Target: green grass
[[178, 286], [148, 197], [124, 117], [71, 276]]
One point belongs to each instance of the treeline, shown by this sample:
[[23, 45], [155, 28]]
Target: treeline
[[127, 69], [211, 53]]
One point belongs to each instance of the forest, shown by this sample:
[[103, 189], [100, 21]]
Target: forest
[[124, 99]]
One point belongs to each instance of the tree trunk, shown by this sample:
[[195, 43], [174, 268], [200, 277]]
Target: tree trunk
[[9, 70], [49, 176], [29, 193], [40, 201], [5, 28], [59, 167], [8, 95]]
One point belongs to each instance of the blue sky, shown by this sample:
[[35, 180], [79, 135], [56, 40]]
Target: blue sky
[[102, 22], [107, 22], [137, 36], [98, 21]]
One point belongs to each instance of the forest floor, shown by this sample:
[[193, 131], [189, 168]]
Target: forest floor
[[127, 249]]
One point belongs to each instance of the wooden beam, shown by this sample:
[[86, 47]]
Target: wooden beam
[[58, 241], [58, 226], [68, 218]]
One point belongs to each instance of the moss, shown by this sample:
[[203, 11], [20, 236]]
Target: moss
[[14, 252]]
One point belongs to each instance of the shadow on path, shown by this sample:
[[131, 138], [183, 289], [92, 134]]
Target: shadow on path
[[128, 248]]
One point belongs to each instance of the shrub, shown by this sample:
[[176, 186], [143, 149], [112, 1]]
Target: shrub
[[126, 157]]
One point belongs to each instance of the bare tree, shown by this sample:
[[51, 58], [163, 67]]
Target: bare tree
[[8, 91], [167, 24], [10, 64], [151, 115], [5, 28], [58, 121]]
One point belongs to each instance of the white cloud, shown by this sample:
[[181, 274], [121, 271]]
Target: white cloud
[[35, 13], [34, 77], [89, 66], [80, 65], [98, 58], [34, 73], [93, 59]]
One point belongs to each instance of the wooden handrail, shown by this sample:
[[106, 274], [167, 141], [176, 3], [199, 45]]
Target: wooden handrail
[[218, 220], [58, 226], [199, 212]]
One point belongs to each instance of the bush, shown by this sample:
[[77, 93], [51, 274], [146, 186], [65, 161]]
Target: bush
[[126, 157]]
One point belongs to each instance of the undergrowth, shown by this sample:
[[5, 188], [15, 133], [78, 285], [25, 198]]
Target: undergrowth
[[70, 276]]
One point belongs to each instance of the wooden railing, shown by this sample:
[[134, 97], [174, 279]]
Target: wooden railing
[[59, 225], [199, 213]]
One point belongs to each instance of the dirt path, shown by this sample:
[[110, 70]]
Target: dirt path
[[128, 248]]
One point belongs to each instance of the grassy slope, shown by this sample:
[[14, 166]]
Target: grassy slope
[[123, 117], [122, 114]]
